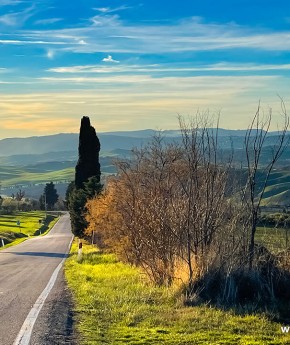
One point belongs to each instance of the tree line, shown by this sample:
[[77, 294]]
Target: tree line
[[49, 200]]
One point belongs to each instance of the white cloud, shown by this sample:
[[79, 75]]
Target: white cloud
[[102, 9], [105, 20], [17, 18], [108, 33], [25, 42], [10, 2], [48, 21], [218, 83], [111, 10], [110, 59], [140, 100], [157, 68]]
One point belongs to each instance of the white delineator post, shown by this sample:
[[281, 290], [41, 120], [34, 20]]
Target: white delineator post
[[2, 241], [80, 250]]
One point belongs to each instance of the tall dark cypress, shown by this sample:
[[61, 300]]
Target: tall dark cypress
[[88, 164], [87, 177]]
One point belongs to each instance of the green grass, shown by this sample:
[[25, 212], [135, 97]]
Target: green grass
[[16, 176], [115, 305], [29, 226]]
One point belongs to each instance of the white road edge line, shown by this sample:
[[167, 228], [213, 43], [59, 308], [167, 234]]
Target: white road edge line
[[23, 337]]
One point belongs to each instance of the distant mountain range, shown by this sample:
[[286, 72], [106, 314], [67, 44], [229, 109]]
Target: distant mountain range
[[67, 143], [36, 160]]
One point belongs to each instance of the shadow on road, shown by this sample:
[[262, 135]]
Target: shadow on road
[[41, 254]]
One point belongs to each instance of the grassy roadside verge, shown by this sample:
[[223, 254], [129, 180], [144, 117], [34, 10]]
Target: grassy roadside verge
[[13, 234], [115, 305]]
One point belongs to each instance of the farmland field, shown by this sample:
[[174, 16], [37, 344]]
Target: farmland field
[[19, 226]]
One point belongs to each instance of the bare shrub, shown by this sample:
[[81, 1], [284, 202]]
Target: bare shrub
[[180, 212]]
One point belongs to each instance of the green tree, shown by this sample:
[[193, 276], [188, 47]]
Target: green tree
[[89, 147], [50, 195], [87, 177]]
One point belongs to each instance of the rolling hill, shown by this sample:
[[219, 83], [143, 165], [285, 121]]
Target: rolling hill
[[31, 162]]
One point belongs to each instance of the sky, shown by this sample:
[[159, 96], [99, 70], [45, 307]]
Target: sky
[[133, 65]]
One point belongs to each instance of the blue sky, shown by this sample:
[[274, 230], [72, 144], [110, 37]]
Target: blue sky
[[133, 65]]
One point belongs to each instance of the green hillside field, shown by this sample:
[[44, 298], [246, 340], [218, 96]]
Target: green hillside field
[[17, 227], [46, 172], [276, 193], [16, 176]]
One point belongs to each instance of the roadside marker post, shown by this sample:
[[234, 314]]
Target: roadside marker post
[[2, 241], [80, 250]]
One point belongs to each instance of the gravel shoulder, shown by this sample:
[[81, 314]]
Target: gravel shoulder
[[56, 322]]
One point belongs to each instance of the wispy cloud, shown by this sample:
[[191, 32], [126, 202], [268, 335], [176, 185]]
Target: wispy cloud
[[23, 109], [111, 10], [105, 20], [52, 125], [165, 83], [25, 42], [48, 21], [110, 33], [156, 68], [138, 99], [10, 2], [110, 59], [17, 18]]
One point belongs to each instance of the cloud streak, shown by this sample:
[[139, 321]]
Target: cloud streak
[[10, 2], [110, 33], [219, 67], [111, 10], [48, 21], [17, 19]]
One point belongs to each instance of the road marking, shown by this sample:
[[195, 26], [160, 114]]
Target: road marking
[[24, 335]]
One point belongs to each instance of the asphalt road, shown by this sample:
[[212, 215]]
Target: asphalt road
[[25, 271]]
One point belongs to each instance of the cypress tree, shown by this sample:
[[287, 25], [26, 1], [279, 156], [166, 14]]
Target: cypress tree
[[89, 147], [87, 177], [51, 195]]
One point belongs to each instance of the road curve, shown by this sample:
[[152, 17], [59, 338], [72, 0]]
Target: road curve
[[25, 271]]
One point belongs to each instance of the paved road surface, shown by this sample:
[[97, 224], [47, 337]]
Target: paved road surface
[[25, 270]]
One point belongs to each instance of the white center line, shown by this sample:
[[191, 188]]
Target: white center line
[[24, 335]]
